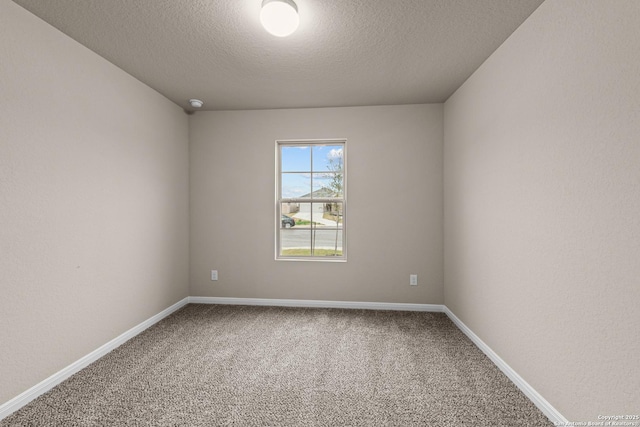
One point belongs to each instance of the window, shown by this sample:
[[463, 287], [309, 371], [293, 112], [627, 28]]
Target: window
[[311, 200]]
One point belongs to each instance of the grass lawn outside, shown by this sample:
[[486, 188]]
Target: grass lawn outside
[[303, 222]]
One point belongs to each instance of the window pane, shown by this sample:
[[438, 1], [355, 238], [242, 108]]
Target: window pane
[[295, 242], [296, 185], [302, 216], [327, 215], [296, 158], [288, 211], [327, 185], [296, 215], [295, 229], [327, 242], [327, 158]]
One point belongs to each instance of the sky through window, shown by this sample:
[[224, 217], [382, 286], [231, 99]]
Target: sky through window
[[298, 168]]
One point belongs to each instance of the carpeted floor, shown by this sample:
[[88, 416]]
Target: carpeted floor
[[210, 365]]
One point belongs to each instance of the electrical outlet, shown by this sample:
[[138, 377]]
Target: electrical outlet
[[413, 280], [214, 274]]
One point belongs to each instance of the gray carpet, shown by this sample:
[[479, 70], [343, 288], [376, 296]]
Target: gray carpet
[[209, 365]]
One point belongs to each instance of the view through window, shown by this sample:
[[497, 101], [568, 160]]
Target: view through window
[[311, 202]]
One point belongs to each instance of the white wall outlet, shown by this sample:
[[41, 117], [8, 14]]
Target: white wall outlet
[[413, 279], [214, 274]]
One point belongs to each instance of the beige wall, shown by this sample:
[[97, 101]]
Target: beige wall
[[394, 159], [542, 205], [93, 201]]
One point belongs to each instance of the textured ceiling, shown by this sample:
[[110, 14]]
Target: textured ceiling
[[345, 52]]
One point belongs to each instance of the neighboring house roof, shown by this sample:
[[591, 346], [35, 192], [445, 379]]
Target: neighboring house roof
[[323, 192]]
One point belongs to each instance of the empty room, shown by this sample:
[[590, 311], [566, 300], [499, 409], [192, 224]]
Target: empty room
[[320, 213]]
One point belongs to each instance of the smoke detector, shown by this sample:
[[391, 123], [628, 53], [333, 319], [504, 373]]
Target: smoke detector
[[196, 103]]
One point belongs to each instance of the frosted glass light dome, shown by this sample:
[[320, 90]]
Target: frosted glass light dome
[[279, 17]]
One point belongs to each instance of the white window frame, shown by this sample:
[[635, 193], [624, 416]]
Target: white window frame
[[279, 200]]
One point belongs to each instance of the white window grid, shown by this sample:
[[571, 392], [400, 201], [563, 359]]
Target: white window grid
[[280, 200]]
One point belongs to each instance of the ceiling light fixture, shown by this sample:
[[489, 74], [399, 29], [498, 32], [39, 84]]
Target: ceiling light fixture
[[279, 17], [196, 103]]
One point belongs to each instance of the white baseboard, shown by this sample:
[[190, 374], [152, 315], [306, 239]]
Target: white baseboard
[[22, 399], [544, 406], [318, 304]]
